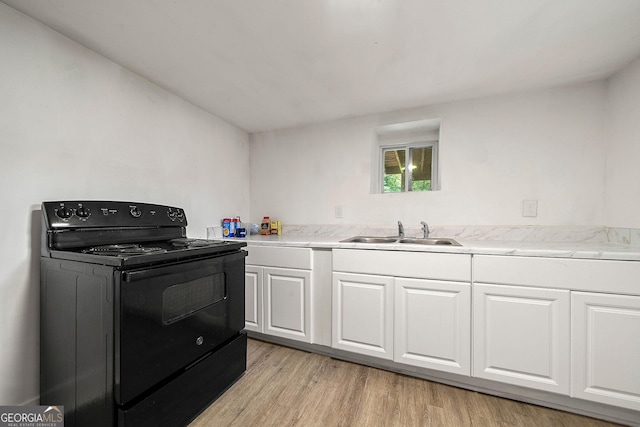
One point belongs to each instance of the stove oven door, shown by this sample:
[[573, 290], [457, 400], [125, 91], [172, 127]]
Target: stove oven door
[[169, 317]]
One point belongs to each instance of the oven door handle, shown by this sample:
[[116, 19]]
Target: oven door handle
[[134, 276], [204, 265]]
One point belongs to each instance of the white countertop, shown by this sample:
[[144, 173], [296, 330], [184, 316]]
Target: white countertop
[[564, 249]]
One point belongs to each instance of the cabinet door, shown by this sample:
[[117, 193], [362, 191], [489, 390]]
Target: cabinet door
[[253, 298], [521, 336], [433, 325], [362, 314], [606, 348], [287, 295]]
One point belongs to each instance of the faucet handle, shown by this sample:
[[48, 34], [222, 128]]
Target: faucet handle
[[425, 229]]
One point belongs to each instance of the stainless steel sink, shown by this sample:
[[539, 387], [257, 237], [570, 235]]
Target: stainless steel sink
[[444, 241], [369, 239]]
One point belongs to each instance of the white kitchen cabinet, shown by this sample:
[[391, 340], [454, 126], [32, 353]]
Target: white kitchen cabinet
[[253, 298], [433, 324], [521, 336], [409, 307], [287, 303], [606, 348], [362, 314], [278, 292]]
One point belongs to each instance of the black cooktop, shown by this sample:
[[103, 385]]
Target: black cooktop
[[148, 253], [131, 249]]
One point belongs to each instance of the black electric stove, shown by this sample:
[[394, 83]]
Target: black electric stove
[[140, 325]]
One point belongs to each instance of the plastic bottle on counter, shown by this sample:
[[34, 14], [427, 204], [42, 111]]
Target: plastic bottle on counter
[[232, 227], [265, 226]]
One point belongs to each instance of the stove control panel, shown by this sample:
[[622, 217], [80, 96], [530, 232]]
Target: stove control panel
[[87, 214]]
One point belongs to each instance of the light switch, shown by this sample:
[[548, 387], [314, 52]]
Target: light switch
[[338, 210]]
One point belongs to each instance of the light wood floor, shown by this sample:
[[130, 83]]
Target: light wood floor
[[287, 387]]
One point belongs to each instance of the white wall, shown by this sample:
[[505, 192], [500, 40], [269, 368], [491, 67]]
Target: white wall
[[622, 201], [494, 152], [74, 125]]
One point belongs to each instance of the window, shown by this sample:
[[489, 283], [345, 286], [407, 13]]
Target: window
[[417, 176], [407, 157]]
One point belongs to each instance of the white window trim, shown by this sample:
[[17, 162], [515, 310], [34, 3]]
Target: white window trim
[[399, 134]]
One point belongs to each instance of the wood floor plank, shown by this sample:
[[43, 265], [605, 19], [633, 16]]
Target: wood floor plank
[[288, 387]]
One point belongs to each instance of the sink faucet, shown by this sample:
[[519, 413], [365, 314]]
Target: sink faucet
[[400, 229], [425, 229]]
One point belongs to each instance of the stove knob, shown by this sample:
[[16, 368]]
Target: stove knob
[[83, 212], [135, 212], [64, 213], [172, 214]]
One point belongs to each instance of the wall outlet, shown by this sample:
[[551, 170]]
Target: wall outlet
[[338, 210], [530, 208]]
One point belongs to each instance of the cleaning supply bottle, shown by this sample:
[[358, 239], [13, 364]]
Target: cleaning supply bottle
[[265, 226]]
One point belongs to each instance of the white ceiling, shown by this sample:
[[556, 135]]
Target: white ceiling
[[269, 64]]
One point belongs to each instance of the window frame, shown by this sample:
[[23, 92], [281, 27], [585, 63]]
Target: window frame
[[408, 144], [401, 133]]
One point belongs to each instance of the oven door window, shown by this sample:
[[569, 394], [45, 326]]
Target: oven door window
[[185, 299]]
